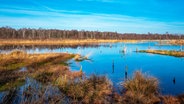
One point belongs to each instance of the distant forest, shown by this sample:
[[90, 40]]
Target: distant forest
[[27, 33]]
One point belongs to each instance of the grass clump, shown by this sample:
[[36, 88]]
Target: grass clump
[[141, 89], [95, 90]]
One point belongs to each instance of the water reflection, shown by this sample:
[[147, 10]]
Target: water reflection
[[113, 66], [126, 72], [174, 80], [6, 48]]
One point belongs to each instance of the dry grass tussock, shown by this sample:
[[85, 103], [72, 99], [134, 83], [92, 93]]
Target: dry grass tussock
[[96, 89], [141, 89], [52, 73]]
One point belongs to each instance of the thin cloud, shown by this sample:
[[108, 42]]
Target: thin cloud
[[92, 21]]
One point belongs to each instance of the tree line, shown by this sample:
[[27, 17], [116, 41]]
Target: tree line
[[28, 33]]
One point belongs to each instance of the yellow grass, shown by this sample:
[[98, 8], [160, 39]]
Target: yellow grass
[[20, 58], [93, 90], [141, 89], [165, 52], [177, 42], [46, 67], [59, 41]]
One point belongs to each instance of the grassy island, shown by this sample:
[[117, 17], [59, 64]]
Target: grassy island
[[165, 52]]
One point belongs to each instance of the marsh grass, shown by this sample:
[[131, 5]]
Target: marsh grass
[[11, 63], [165, 52], [17, 58], [95, 89], [44, 77], [10, 79], [51, 69], [12, 84], [32, 95], [68, 42], [8, 98], [141, 89], [170, 100], [176, 42], [60, 85], [37, 93]]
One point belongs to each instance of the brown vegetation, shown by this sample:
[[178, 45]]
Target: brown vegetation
[[165, 52], [10, 76], [141, 89], [17, 57], [60, 85], [177, 42], [57, 42], [170, 100], [95, 89]]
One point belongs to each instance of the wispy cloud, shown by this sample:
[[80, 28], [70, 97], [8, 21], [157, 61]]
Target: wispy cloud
[[64, 19]]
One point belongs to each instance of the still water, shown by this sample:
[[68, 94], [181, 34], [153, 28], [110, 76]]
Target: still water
[[108, 59]]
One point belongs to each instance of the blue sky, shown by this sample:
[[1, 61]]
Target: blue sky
[[124, 16]]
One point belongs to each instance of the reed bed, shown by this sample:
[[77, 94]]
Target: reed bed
[[164, 52], [60, 41]]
